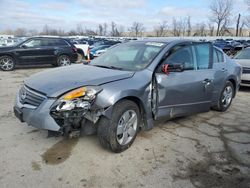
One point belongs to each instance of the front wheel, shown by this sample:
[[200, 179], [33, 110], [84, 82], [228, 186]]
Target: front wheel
[[63, 60], [226, 97], [7, 63], [119, 132]]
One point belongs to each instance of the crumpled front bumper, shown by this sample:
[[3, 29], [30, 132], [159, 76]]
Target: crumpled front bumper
[[38, 117]]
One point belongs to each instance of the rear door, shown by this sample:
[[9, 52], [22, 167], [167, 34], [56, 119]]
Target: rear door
[[187, 92], [49, 50], [220, 69]]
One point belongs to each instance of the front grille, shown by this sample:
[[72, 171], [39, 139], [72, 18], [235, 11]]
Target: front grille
[[246, 70], [30, 97], [245, 82]]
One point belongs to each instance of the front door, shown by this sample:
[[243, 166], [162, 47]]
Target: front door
[[187, 92], [29, 51]]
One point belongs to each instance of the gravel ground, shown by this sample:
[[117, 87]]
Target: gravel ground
[[205, 150]]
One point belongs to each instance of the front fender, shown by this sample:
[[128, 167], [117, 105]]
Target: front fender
[[138, 87]]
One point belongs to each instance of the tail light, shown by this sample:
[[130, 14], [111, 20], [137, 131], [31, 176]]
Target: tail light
[[74, 50]]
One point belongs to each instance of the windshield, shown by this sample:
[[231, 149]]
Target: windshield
[[131, 56], [243, 54]]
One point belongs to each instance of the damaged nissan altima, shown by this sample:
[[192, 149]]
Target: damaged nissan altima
[[128, 88]]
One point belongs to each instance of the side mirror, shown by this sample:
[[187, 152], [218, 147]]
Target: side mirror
[[23, 46], [167, 68]]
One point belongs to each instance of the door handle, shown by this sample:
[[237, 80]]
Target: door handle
[[207, 81], [224, 70]]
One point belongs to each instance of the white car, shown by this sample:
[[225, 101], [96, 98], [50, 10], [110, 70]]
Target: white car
[[84, 46], [243, 58]]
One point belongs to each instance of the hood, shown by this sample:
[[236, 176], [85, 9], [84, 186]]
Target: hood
[[243, 62], [57, 81]]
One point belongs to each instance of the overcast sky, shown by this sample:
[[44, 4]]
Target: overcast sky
[[66, 14]]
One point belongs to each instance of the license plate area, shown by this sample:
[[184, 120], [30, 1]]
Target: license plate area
[[18, 114]]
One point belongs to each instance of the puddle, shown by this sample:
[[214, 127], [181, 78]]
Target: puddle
[[60, 151], [35, 166]]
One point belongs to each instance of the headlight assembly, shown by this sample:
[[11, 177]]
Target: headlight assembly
[[80, 98]]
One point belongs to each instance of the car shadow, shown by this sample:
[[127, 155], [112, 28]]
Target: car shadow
[[244, 89]]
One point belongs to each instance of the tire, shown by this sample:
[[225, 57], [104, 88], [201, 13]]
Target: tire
[[63, 60], [112, 133], [226, 97], [7, 63]]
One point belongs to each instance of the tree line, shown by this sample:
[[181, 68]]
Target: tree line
[[219, 23]]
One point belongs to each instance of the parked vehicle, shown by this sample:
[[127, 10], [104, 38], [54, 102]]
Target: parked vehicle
[[97, 51], [82, 46], [129, 87], [37, 51], [243, 58]]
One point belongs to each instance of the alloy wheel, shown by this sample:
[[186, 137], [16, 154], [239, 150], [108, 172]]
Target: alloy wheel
[[64, 61], [6, 63], [227, 96], [127, 126]]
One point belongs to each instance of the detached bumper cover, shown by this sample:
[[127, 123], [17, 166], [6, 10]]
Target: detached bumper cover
[[38, 117]]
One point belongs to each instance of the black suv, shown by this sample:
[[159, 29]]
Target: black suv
[[37, 51]]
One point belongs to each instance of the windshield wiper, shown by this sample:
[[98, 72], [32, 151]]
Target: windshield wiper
[[108, 67]]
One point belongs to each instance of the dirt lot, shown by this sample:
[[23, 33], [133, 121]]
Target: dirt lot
[[206, 150]]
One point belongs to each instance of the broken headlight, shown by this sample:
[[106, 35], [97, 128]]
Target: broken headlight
[[80, 98]]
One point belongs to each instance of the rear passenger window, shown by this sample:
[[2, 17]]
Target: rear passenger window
[[202, 55], [215, 56], [60, 42], [54, 42], [220, 56]]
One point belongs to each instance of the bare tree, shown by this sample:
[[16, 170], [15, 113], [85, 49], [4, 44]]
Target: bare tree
[[46, 30], [100, 29], [179, 27], [200, 29], [20, 32], [238, 25], [137, 29], [105, 28], [8, 32], [176, 29], [189, 26], [225, 28], [113, 29], [220, 13], [211, 29], [241, 28], [160, 30]]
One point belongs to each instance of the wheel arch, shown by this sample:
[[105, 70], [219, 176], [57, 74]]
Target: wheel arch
[[141, 106], [8, 54], [233, 81]]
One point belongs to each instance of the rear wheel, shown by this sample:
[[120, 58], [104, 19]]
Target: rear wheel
[[63, 60], [119, 132], [7, 63], [226, 97]]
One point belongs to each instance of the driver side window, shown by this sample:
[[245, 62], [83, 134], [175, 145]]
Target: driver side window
[[181, 55]]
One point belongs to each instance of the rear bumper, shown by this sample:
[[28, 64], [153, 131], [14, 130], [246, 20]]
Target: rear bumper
[[37, 117]]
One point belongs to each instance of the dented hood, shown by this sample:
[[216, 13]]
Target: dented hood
[[55, 82]]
